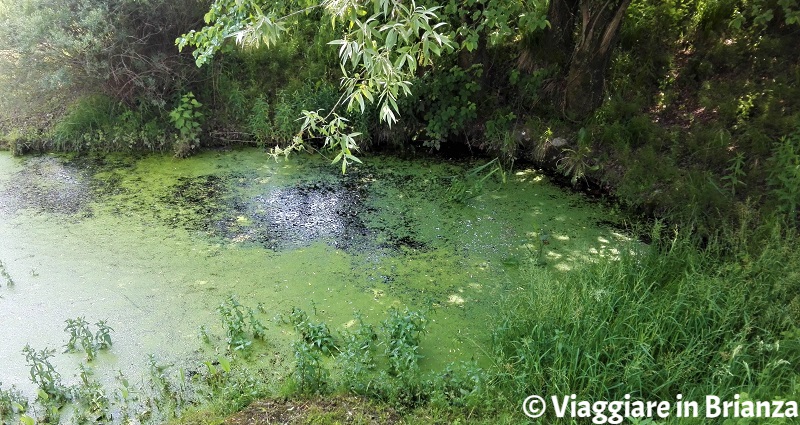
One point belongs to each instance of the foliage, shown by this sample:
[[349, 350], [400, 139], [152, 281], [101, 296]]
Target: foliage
[[785, 175], [316, 335], [403, 332], [470, 185], [463, 386], [445, 103], [609, 325], [258, 121], [80, 334], [11, 402], [378, 55], [5, 275], [357, 357], [239, 323], [761, 12], [309, 373], [45, 376], [187, 118], [735, 174], [57, 51], [94, 404], [575, 163]]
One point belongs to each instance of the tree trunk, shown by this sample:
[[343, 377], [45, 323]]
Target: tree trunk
[[559, 39], [553, 45], [600, 21]]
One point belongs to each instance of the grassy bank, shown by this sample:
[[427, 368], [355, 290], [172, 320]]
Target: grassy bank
[[655, 322]]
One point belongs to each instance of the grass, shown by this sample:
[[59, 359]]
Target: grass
[[675, 319]]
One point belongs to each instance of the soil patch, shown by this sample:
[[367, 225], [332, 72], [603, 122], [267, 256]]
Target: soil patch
[[336, 410]]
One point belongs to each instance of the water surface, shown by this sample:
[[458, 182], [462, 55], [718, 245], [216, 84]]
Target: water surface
[[155, 244]]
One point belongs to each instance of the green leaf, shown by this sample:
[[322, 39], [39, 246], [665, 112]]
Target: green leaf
[[225, 364], [27, 420], [391, 39]]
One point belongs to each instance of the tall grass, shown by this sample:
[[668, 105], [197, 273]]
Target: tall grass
[[670, 320]]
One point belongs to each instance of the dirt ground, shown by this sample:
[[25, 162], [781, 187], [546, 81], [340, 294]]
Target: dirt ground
[[333, 410]]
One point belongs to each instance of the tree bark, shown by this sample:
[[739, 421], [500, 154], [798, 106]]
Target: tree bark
[[599, 28], [559, 39]]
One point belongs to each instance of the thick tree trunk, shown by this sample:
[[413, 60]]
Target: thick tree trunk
[[559, 39], [555, 44], [600, 21]]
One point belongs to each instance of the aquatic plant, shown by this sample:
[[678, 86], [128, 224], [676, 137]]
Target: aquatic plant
[[316, 334], [93, 404], [309, 374], [5, 275], [80, 334], [470, 185], [11, 402], [356, 359], [403, 332], [45, 376], [239, 322]]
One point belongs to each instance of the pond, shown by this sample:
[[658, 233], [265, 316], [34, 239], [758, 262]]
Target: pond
[[154, 244]]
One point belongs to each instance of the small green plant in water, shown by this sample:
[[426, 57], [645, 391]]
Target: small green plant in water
[[471, 184], [45, 376], [309, 373], [12, 402], [81, 335], [576, 162], [404, 330], [316, 334], [93, 405], [235, 318], [5, 275], [357, 357]]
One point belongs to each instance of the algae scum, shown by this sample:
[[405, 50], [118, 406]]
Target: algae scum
[[155, 244]]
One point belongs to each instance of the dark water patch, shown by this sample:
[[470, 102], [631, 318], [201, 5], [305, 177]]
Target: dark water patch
[[45, 184], [295, 216], [195, 202]]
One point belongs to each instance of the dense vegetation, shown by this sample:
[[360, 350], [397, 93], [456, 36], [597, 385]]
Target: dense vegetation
[[686, 110]]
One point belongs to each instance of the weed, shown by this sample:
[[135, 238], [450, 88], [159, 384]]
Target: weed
[[186, 118], [357, 357], [317, 335], [576, 162], [613, 328], [784, 178], [734, 174], [309, 373], [258, 122], [463, 385], [4, 274], [235, 318], [94, 405], [470, 184], [403, 333], [80, 334], [44, 375], [12, 402], [124, 396]]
